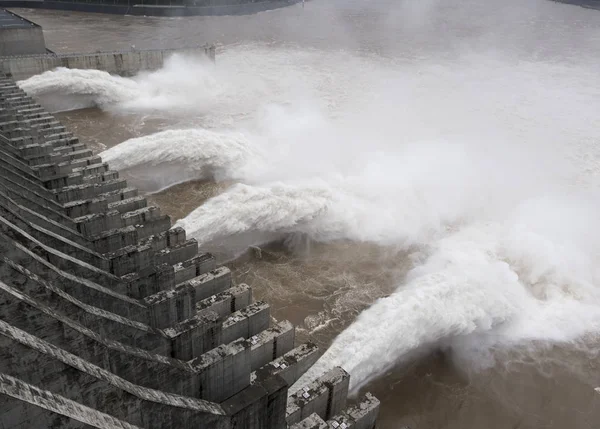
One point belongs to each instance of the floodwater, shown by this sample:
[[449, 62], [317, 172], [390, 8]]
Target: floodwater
[[425, 174]]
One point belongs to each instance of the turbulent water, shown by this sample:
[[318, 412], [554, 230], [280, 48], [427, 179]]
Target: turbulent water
[[429, 170]]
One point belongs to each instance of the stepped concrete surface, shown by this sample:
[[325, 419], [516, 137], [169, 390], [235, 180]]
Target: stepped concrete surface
[[111, 318]]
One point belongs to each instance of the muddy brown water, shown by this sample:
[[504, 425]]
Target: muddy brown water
[[323, 287]]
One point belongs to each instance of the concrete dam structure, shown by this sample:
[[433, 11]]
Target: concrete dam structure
[[156, 7], [23, 53], [123, 63], [19, 36], [110, 318]]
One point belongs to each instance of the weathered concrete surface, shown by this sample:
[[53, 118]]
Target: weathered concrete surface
[[159, 7], [326, 397], [50, 410], [314, 421], [292, 364], [19, 36], [110, 318], [363, 415], [124, 63]]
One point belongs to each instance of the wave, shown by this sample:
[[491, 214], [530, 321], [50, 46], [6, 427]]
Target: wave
[[279, 208], [406, 197], [173, 156], [472, 163], [91, 87], [502, 260], [487, 285], [166, 89]]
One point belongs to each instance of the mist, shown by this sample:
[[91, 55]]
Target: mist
[[463, 132]]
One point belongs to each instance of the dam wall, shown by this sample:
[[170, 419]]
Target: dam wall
[[19, 36], [112, 318], [588, 4], [168, 8], [124, 63]]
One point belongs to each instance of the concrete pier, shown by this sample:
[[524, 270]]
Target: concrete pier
[[110, 318]]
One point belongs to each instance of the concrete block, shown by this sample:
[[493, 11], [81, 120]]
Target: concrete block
[[199, 264], [148, 227], [311, 422], [114, 239], [171, 306], [271, 344], [141, 216], [100, 177], [224, 371], [292, 365], [107, 324], [91, 169], [88, 190], [57, 182], [80, 208], [209, 283], [28, 198], [10, 211], [94, 225], [63, 230], [119, 195], [129, 204], [158, 242], [176, 236], [32, 400], [227, 302], [205, 263], [195, 336], [276, 389], [363, 415], [130, 259], [337, 384], [65, 374], [247, 322], [184, 271], [155, 279], [323, 397], [248, 408], [178, 253]]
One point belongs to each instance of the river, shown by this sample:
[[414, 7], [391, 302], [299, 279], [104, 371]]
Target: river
[[426, 172]]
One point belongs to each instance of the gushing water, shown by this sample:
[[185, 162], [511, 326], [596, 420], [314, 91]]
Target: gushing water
[[480, 164], [486, 285], [174, 156], [162, 90]]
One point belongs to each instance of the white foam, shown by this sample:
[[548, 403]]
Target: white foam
[[166, 89], [434, 185], [99, 87], [487, 285], [168, 157], [472, 160]]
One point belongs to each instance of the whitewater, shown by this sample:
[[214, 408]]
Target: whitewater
[[476, 165]]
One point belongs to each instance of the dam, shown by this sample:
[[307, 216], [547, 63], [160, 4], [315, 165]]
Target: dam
[[476, 215], [23, 53], [109, 317], [169, 8], [123, 63]]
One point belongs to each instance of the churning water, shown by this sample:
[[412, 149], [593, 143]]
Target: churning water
[[428, 170]]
